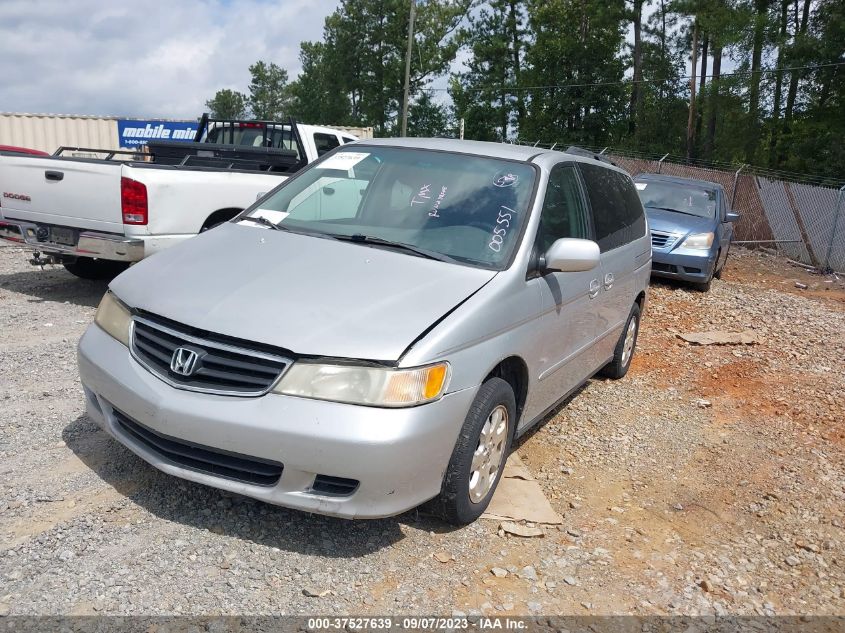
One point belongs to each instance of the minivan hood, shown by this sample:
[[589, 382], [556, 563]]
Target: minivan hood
[[308, 295], [671, 222]]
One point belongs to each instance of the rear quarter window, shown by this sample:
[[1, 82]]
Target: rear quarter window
[[325, 142], [617, 211]]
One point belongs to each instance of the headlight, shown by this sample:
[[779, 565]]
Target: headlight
[[114, 318], [374, 386], [699, 241]]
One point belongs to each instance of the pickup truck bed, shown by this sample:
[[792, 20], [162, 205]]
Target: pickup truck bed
[[78, 205], [71, 208]]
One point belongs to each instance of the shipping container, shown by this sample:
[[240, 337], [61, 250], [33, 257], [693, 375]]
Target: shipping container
[[48, 132]]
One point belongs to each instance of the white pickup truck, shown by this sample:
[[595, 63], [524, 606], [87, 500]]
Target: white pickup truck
[[96, 215]]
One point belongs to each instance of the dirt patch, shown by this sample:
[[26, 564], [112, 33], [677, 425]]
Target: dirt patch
[[761, 269]]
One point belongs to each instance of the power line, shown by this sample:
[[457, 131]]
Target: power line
[[712, 165], [623, 82]]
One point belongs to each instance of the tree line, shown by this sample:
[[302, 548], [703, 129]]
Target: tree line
[[641, 75]]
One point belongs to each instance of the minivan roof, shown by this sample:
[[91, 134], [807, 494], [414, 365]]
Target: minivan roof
[[678, 180], [484, 148]]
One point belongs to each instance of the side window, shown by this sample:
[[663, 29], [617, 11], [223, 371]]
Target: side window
[[325, 142], [348, 139], [564, 209], [617, 211]]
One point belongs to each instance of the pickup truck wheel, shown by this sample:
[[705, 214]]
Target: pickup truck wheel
[[480, 454], [219, 217], [90, 268], [623, 353]]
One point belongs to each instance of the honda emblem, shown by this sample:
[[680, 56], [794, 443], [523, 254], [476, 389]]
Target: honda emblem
[[184, 361]]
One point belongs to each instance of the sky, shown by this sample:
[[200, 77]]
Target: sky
[[150, 58], [143, 58]]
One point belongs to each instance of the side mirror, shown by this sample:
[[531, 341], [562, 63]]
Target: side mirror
[[571, 255], [732, 216]]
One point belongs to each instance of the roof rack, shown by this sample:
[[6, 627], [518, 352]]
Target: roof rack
[[580, 151]]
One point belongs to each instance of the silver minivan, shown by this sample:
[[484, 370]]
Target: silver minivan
[[375, 332]]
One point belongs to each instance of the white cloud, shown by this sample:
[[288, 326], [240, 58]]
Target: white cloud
[[147, 58]]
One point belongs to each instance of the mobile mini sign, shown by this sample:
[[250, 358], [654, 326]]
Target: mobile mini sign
[[136, 133]]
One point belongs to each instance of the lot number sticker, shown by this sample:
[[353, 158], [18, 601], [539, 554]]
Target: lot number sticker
[[343, 161]]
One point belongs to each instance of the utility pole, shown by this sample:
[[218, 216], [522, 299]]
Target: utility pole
[[408, 69], [691, 120]]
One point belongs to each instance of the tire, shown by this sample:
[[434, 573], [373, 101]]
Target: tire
[[704, 286], [718, 273], [219, 217], [622, 354], [90, 268], [465, 495]]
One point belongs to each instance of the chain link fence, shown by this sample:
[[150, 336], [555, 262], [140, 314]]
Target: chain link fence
[[801, 217], [800, 220]]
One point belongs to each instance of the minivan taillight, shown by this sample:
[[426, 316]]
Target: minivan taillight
[[133, 201]]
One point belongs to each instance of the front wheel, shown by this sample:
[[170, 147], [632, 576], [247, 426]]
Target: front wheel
[[480, 453], [624, 350], [704, 286], [90, 268], [718, 273]]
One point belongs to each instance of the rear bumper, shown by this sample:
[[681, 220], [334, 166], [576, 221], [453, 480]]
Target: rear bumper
[[696, 267], [88, 243]]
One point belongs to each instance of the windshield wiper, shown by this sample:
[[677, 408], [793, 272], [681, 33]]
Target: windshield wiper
[[260, 219], [675, 211], [360, 238]]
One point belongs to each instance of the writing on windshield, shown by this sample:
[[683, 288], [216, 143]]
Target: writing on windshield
[[468, 208]]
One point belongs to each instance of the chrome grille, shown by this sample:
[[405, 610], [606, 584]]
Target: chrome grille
[[661, 239], [220, 367]]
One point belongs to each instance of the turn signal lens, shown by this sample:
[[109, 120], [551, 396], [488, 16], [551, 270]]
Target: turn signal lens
[[434, 381]]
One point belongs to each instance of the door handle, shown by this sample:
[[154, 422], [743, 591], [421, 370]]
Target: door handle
[[594, 288], [608, 281], [54, 175]]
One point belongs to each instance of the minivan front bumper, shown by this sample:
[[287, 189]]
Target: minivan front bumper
[[397, 456], [683, 264]]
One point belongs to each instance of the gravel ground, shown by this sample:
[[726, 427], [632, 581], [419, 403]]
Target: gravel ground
[[711, 480]]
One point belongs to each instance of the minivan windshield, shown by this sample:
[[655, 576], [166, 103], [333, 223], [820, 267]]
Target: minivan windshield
[[678, 197], [455, 207]]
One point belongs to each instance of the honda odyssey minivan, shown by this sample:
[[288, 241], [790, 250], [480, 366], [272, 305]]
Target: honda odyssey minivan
[[375, 332]]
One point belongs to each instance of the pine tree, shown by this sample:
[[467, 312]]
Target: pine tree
[[576, 44], [227, 104], [484, 94], [364, 55], [269, 93]]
